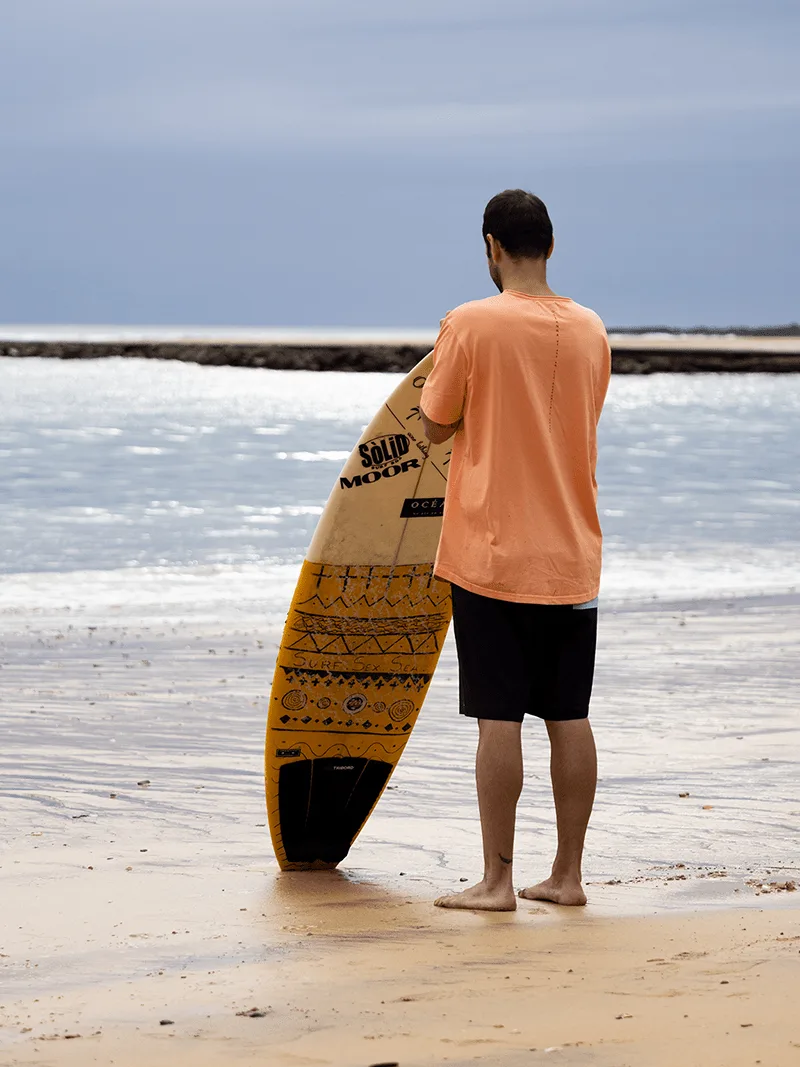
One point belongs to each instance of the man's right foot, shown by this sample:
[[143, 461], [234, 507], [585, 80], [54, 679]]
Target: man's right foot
[[480, 898], [569, 893]]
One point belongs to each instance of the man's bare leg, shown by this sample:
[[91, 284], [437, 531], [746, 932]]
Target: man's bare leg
[[498, 773], [573, 770]]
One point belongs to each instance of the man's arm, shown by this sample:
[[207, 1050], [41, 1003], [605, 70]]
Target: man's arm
[[445, 390], [437, 433]]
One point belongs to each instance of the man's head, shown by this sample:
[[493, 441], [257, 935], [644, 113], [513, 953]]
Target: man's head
[[516, 227]]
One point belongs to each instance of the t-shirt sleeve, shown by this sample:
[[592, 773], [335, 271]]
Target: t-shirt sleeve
[[445, 391]]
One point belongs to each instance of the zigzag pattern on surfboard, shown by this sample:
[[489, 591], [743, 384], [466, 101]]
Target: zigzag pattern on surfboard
[[342, 645], [372, 602]]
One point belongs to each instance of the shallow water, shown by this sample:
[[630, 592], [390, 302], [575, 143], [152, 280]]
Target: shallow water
[[211, 473]]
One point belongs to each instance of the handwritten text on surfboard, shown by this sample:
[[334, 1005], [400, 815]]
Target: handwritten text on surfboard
[[383, 458]]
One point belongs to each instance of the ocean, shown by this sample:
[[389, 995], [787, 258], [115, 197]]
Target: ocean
[[140, 481]]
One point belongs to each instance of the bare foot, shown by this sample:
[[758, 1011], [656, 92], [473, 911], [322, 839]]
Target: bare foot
[[568, 893], [480, 898]]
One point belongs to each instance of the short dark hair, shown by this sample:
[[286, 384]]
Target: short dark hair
[[519, 221]]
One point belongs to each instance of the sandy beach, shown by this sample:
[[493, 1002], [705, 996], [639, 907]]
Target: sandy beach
[[138, 883], [358, 975]]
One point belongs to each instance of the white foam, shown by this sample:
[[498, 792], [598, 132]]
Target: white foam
[[208, 592], [264, 590], [732, 570]]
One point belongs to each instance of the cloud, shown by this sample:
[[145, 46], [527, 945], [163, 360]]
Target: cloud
[[230, 113], [571, 78]]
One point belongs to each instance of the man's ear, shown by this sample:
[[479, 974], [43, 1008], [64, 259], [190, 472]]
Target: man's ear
[[550, 250], [491, 247]]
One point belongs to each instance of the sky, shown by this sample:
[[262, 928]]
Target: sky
[[326, 162]]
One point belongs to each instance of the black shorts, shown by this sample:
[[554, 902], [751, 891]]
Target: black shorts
[[517, 659]]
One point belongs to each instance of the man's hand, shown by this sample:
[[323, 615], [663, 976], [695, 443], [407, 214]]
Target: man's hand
[[436, 433]]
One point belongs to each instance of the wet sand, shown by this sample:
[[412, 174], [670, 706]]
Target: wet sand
[[356, 975], [138, 883]]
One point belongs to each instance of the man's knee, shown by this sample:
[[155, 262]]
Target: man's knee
[[499, 730], [565, 729]]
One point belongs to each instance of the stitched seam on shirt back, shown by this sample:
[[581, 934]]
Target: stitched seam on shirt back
[[555, 366]]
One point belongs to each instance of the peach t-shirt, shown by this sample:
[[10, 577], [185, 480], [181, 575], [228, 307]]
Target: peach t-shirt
[[529, 375]]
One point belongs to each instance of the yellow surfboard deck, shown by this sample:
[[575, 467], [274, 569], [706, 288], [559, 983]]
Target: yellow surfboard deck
[[362, 638]]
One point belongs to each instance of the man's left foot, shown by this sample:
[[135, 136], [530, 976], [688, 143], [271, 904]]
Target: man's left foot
[[569, 893], [480, 898]]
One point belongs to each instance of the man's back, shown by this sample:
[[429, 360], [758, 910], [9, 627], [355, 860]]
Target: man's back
[[529, 375]]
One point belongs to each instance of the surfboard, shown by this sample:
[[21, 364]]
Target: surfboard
[[361, 640]]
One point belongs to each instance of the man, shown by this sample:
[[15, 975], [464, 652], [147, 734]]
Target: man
[[519, 381]]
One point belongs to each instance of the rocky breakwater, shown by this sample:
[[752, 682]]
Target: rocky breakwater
[[632, 353], [278, 356], [687, 353]]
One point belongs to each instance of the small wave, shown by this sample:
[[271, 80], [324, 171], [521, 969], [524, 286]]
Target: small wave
[[315, 457]]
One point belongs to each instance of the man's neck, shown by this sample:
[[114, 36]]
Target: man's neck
[[528, 277]]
